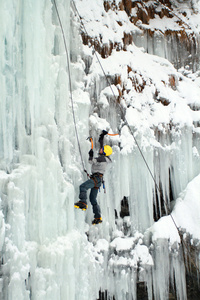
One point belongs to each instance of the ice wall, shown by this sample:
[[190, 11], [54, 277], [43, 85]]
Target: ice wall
[[45, 253], [39, 160], [170, 46], [159, 104]]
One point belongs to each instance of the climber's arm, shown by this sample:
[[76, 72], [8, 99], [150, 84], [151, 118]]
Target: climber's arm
[[101, 137]]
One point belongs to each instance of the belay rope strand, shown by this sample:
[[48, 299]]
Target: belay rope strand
[[70, 86], [109, 83], [126, 122]]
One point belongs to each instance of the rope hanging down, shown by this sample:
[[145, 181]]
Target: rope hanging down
[[70, 86], [127, 124], [125, 120]]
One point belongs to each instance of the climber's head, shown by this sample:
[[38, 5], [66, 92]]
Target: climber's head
[[106, 150]]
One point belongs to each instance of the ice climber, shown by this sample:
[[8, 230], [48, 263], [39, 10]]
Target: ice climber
[[99, 165]]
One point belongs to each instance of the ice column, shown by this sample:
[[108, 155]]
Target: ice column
[[39, 159]]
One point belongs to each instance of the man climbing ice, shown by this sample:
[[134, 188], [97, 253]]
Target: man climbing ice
[[99, 165]]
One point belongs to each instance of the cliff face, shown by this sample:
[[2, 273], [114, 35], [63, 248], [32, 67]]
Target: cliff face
[[49, 250], [164, 29]]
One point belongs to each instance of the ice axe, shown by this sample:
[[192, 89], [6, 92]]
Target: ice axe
[[112, 134], [91, 140]]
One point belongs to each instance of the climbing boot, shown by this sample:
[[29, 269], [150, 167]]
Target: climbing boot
[[81, 205], [97, 221]]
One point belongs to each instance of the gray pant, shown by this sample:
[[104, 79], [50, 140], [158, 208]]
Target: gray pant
[[93, 185]]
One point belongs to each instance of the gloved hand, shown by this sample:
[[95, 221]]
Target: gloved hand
[[91, 153], [104, 132], [102, 135]]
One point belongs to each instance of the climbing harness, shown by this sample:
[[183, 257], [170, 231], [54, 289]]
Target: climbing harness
[[127, 124], [94, 178]]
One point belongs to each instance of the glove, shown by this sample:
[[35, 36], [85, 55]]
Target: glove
[[104, 132], [102, 135], [91, 153]]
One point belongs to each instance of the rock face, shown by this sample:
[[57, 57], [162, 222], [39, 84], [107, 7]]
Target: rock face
[[176, 41]]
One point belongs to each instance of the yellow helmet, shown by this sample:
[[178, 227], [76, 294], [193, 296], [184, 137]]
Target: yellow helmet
[[107, 150]]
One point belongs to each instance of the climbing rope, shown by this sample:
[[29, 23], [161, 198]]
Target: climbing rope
[[130, 129], [70, 86], [125, 120]]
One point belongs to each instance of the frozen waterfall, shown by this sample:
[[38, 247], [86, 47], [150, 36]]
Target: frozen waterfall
[[49, 250]]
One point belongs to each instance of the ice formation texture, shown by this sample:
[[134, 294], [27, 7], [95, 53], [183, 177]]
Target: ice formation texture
[[49, 250]]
